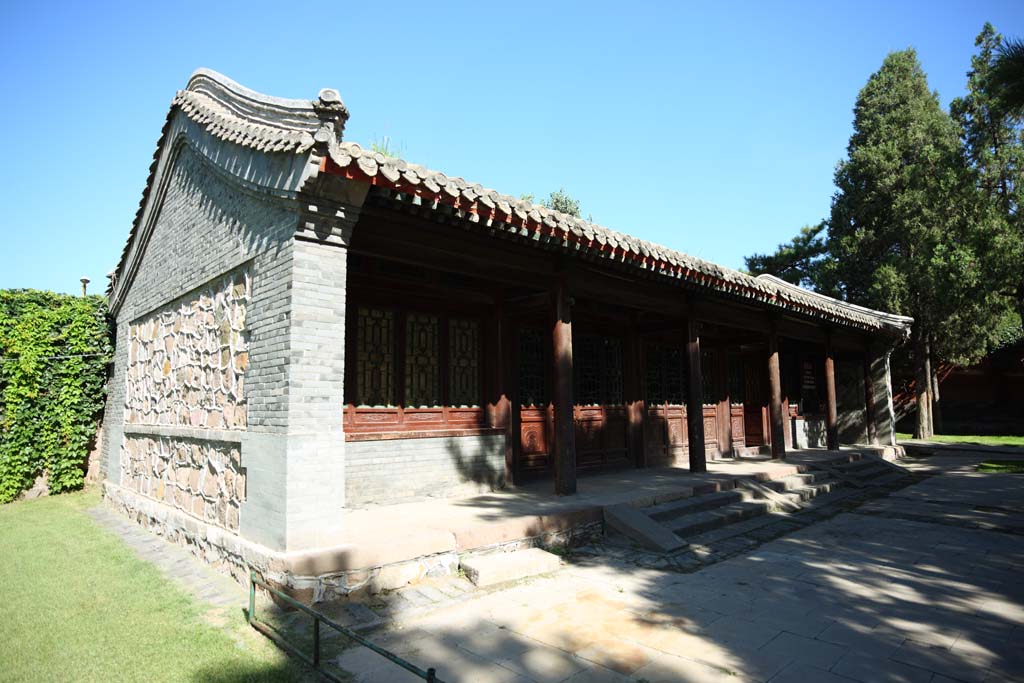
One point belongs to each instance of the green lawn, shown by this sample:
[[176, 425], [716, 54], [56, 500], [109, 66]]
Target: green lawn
[[77, 605], [1002, 467], [983, 440]]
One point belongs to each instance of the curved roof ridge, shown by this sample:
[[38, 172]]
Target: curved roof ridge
[[894, 317]]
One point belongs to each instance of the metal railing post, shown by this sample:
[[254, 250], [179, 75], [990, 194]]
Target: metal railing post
[[316, 643], [252, 596], [271, 633]]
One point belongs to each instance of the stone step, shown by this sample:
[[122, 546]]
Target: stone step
[[700, 522], [636, 525], [487, 570], [853, 465], [667, 512], [890, 478], [876, 470], [805, 493], [796, 481]]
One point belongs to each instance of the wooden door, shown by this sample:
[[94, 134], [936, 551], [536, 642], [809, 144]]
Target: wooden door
[[600, 415], [755, 403], [535, 411], [664, 371]]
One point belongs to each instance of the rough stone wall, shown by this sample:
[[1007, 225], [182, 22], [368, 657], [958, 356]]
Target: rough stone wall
[[187, 361], [387, 472], [204, 479]]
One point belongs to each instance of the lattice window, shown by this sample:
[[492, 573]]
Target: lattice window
[[654, 374], [463, 362], [737, 379], [597, 364], [708, 368], [422, 361], [665, 375], [375, 357], [532, 384], [675, 376], [587, 364]]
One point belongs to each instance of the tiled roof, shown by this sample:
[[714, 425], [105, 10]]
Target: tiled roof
[[232, 113], [479, 204]]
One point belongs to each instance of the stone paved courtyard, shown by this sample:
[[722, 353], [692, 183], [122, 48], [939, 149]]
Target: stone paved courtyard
[[871, 595], [922, 584]]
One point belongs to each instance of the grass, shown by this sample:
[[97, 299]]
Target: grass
[[1002, 467], [77, 604], [1002, 440]]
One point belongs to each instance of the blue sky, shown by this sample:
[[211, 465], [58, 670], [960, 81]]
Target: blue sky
[[712, 128]]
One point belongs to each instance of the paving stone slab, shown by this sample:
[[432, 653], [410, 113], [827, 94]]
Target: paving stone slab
[[488, 570]]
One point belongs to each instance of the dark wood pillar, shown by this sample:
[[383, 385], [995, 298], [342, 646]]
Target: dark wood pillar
[[778, 429], [695, 399], [635, 408], [565, 441], [831, 412]]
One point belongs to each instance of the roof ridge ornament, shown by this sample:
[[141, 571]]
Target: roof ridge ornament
[[333, 114]]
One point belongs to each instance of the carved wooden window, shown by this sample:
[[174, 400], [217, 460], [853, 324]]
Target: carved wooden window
[[532, 369], [463, 362], [375, 357], [413, 371], [709, 368], [737, 379], [665, 375], [597, 364], [422, 361]]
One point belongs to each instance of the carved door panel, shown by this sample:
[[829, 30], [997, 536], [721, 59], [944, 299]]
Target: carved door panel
[[656, 434], [665, 421], [601, 437], [535, 413], [600, 418], [755, 404], [711, 446]]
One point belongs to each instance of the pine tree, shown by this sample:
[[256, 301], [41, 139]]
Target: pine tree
[[900, 232], [993, 137], [796, 261]]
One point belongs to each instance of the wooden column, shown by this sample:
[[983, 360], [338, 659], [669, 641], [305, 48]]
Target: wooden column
[[565, 441], [869, 398], [694, 399], [778, 430], [831, 412], [635, 408]]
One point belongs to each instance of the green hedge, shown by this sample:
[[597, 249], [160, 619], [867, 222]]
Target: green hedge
[[54, 354]]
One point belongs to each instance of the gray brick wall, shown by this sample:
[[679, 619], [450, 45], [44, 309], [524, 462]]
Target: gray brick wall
[[316, 372], [208, 226], [403, 470]]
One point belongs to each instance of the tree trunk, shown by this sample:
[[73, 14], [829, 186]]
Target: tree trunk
[[931, 394], [936, 400], [923, 380]]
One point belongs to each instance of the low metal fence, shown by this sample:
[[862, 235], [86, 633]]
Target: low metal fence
[[314, 660]]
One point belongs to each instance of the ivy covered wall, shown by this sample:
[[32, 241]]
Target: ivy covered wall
[[54, 354]]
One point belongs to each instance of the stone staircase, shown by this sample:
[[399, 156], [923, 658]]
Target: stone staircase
[[669, 526]]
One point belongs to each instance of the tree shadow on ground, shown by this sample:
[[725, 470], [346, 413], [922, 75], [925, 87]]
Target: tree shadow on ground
[[865, 597]]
